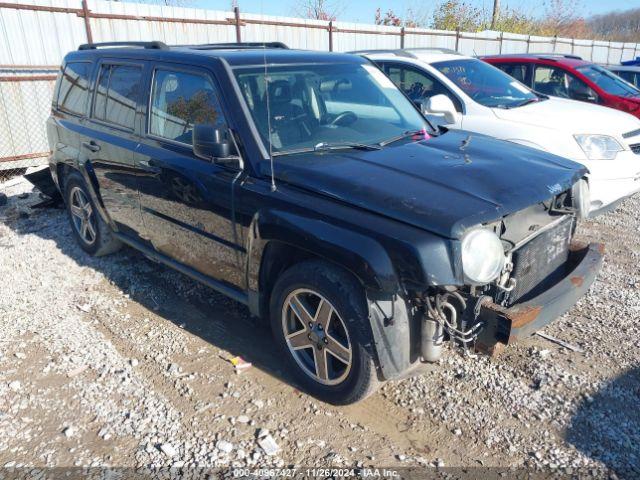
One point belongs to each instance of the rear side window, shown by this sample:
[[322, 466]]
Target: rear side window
[[516, 70], [74, 88], [117, 94], [179, 101]]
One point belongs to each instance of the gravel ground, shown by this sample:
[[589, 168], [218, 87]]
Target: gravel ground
[[118, 361]]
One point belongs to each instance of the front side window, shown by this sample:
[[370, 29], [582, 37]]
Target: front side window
[[486, 84], [607, 81], [117, 95], [418, 85], [305, 106], [560, 83], [180, 100], [74, 88]]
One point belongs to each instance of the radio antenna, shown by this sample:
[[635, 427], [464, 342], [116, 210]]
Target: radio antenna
[[266, 94]]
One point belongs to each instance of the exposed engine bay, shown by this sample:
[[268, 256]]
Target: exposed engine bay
[[537, 246]]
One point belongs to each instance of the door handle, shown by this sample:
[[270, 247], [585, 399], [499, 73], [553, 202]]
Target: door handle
[[93, 146], [149, 165]]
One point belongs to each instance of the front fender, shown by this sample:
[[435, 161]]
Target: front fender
[[86, 170], [390, 321]]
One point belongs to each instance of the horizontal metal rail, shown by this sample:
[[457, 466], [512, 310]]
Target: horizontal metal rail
[[28, 78], [26, 156]]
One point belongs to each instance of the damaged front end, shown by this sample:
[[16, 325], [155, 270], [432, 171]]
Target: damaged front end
[[528, 270]]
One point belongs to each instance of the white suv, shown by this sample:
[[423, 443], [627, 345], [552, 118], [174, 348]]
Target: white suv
[[464, 92]]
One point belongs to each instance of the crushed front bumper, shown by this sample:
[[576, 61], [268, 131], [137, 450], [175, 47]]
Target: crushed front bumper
[[503, 325]]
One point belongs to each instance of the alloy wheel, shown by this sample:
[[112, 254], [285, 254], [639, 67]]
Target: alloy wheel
[[317, 337], [82, 215]]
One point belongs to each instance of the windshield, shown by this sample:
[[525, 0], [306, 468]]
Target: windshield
[[326, 104], [608, 81], [486, 84]]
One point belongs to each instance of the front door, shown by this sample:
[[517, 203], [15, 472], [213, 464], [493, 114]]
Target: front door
[[186, 201]]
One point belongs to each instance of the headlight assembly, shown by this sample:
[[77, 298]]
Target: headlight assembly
[[482, 256], [599, 147]]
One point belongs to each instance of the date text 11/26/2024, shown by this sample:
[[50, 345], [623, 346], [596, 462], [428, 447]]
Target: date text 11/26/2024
[[316, 472]]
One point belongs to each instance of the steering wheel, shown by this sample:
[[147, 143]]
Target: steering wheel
[[345, 118]]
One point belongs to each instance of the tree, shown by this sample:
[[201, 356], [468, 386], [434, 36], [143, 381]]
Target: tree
[[318, 10], [561, 19], [621, 26], [456, 14], [412, 19]]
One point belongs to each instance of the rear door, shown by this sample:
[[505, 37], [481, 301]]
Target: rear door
[[69, 109], [187, 201], [110, 138]]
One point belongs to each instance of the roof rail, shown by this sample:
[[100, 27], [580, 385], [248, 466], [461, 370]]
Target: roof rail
[[236, 45], [153, 45], [397, 52], [407, 52], [562, 55], [434, 49], [549, 56]]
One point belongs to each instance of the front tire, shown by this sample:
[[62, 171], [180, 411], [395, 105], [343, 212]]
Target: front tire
[[320, 321], [91, 232]]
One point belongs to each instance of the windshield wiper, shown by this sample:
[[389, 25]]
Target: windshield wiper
[[325, 146], [525, 102], [339, 146], [409, 133]]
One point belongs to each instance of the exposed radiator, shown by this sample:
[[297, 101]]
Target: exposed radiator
[[538, 259]]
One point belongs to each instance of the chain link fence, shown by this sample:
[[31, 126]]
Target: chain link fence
[[25, 104]]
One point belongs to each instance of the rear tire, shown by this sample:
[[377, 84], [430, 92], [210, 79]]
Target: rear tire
[[92, 234], [320, 321]]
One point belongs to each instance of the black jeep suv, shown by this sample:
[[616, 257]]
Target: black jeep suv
[[308, 187]]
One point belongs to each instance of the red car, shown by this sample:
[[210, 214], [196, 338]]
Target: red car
[[569, 76]]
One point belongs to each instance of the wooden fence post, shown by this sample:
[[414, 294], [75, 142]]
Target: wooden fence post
[[554, 42], [457, 38], [87, 21], [331, 35], [573, 46], [593, 46], [401, 38], [528, 42], [500, 45], [236, 14]]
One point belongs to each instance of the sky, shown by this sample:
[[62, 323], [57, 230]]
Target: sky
[[363, 11]]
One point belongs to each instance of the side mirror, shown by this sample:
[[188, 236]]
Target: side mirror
[[441, 104], [583, 93], [210, 143]]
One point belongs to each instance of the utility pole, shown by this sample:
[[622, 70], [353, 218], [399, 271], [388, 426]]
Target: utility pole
[[496, 14]]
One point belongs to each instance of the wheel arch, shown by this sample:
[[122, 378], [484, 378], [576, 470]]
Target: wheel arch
[[85, 170], [280, 239]]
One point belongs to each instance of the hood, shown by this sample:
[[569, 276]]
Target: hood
[[571, 116], [444, 184]]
